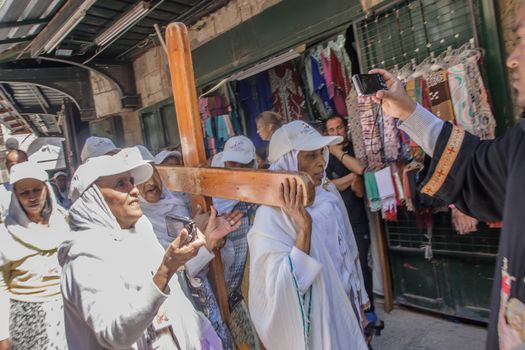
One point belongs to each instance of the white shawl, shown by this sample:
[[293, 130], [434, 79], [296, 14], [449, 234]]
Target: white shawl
[[20, 237], [100, 239], [276, 308]]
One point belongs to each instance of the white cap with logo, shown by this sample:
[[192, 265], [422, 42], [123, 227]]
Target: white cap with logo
[[239, 149], [298, 135], [128, 159], [97, 146]]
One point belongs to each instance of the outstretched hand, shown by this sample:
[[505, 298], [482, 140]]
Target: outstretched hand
[[220, 226], [395, 101]]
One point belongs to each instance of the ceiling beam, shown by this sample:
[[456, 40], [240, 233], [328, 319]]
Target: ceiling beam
[[25, 22], [17, 40], [70, 8]]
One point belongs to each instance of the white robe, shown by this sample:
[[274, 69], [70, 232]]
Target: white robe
[[281, 277]]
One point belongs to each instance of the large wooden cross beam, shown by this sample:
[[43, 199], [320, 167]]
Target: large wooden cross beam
[[254, 186]]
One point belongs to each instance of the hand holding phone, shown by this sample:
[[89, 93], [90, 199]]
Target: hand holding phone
[[175, 224], [368, 84]]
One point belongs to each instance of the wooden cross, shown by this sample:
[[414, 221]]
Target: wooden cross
[[254, 186]]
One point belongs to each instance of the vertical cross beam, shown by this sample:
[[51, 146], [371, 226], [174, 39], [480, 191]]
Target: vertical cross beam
[[192, 142]]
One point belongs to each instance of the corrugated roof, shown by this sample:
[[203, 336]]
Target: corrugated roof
[[22, 20]]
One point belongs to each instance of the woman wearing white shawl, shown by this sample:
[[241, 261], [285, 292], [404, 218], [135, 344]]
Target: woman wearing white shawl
[[306, 289], [117, 280], [30, 275]]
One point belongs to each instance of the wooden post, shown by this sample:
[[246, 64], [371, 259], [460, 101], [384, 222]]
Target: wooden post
[[187, 107], [382, 246]]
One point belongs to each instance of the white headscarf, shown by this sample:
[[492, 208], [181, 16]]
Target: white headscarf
[[20, 237], [274, 306]]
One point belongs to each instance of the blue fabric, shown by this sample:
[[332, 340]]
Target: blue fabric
[[320, 87], [256, 97], [222, 131]]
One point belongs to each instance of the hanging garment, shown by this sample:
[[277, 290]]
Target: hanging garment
[[255, 96], [333, 77], [355, 128], [387, 194], [371, 132], [486, 124], [372, 193], [322, 99], [441, 104], [391, 140], [419, 90], [461, 99], [288, 98]]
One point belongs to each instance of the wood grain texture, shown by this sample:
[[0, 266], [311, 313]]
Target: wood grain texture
[[192, 142], [253, 186]]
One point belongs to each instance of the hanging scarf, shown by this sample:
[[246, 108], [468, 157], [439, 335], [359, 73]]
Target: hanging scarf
[[387, 194], [278, 310], [485, 123], [372, 193], [355, 128], [22, 237], [440, 96], [371, 132]]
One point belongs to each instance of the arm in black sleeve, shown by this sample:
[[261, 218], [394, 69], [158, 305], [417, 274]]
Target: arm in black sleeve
[[471, 173]]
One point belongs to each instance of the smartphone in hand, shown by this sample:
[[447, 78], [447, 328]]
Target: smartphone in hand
[[368, 84], [175, 224]]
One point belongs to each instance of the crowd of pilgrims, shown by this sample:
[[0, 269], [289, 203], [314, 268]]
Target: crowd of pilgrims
[[88, 261]]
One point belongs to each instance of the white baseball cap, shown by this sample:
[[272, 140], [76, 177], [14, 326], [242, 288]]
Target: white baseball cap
[[239, 149], [27, 170], [128, 159], [300, 136], [162, 155], [97, 146]]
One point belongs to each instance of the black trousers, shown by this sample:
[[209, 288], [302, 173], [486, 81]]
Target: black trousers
[[362, 238]]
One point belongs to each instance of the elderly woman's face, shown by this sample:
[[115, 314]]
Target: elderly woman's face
[[122, 197], [151, 190], [31, 194], [312, 163]]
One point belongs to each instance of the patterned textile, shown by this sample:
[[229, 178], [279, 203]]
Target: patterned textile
[[441, 104], [391, 140], [461, 98], [371, 132], [324, 104], [333, 75], [355, 128], [242, 328], [239, 244], [486, 124], [37, 325], [419, 91], [288, 98]]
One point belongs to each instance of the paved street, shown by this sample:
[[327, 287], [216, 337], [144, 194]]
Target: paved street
[[407, 329]]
